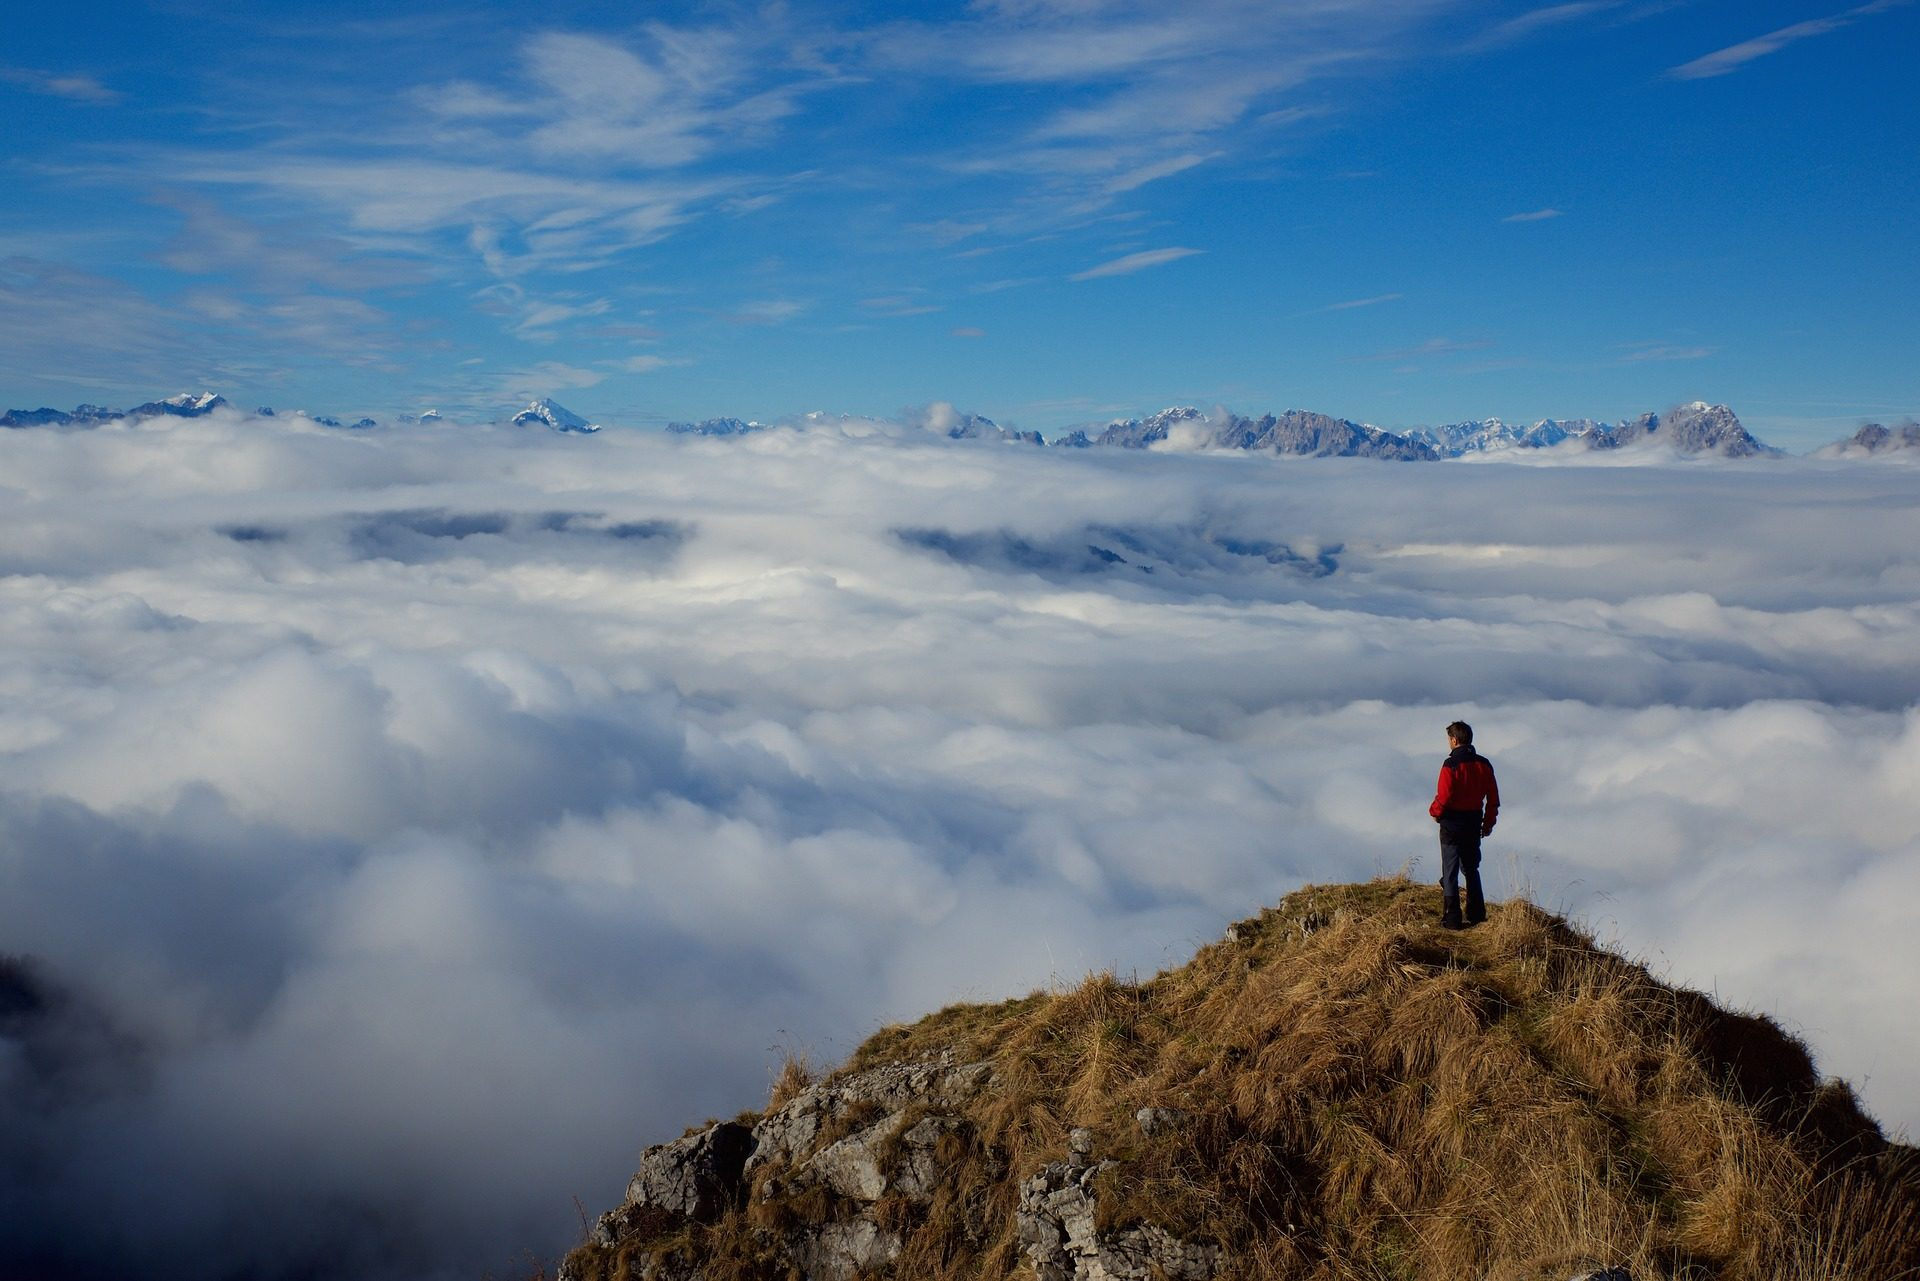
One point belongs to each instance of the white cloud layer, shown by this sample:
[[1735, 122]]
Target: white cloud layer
[[404, 827]]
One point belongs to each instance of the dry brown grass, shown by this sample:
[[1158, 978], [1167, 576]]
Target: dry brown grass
[[1366, 1096], [795, 1075]]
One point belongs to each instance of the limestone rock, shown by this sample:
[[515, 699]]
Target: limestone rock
[[837, 1251], [698, 1177], [851, 1167], [1058, 1230], [918, 1171], [885, 1127], [1154, 1121], [788, 1134]]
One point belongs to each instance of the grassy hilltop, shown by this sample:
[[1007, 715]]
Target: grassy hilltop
[[1343, 1090]]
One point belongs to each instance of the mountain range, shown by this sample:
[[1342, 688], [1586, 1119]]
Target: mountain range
[[1693, 429], [1696, 428]]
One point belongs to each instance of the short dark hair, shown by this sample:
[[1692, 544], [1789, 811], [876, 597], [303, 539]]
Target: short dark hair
[[1460, 732]]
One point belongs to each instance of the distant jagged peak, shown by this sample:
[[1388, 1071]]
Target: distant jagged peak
[[716, 427], [1489, 435], [1143, 433], [550, 413], [1297, 432], [188, 404], [1693, 428], [1876, 440], [945, 420], [1696, 427]]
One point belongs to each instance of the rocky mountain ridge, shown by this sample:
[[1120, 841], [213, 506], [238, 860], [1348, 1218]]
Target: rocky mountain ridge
[[1692, 430], [547, 412], [1336, 1089], [1875, 440]]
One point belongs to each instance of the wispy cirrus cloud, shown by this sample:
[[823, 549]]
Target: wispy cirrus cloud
[[1532, 23], [281, 256], [1431, 347], [74, 88], [1730, 59], [1355, 304], [540, 379], [511, 220], [1135, 262], [1535, 215], [644, 364], [906, 303], [670, 98], [591, 153], [1154, 172], [535, 316], [767, 311], [1147, 90], [1635, 353]]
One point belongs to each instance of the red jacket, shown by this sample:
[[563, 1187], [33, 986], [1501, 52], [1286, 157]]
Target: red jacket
[[1466, 781]]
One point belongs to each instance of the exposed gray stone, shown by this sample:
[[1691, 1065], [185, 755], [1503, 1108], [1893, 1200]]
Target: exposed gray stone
[[851, 1167], [701, 1176], [836, 1251], [918, 1171], [789, 1134], [698, 1177], [1154, 1121], [1056, 1226]]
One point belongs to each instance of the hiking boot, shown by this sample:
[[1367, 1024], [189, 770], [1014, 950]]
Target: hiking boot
[[1452, 921]]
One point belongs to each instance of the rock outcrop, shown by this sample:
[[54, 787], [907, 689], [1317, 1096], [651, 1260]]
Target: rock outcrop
[[869, 1147], [1336, 1088], [1059, 1229], [698, 1177]]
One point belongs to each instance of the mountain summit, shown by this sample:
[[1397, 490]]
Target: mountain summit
[[550, 413], [1337, 1089]]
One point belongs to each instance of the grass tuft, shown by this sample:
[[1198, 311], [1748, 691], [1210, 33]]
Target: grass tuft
[[1353, 1094]]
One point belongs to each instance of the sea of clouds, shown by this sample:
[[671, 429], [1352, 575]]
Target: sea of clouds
[[400, 829]]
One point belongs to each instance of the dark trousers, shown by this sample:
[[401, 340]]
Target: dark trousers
[[1460, 858]]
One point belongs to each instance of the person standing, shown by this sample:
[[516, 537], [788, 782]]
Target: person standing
[[1466, 802]]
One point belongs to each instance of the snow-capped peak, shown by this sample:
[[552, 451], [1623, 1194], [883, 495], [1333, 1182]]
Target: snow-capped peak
[[192, 402], [551, 413]]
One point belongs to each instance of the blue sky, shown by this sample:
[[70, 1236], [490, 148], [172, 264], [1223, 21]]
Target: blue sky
[[1048, 211]]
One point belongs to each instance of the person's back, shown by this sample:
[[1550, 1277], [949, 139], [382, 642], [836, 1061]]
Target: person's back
[[1466, 804]]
